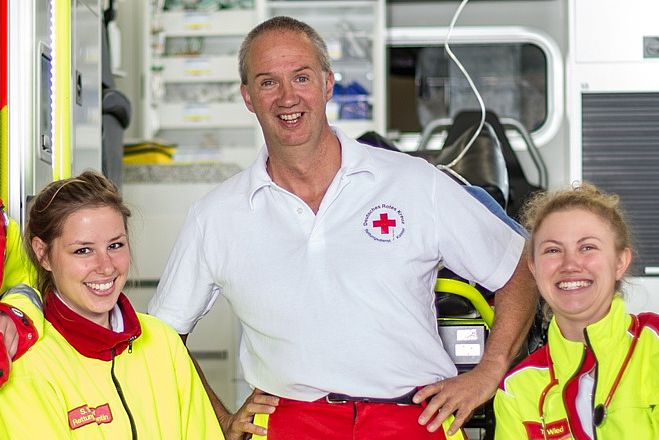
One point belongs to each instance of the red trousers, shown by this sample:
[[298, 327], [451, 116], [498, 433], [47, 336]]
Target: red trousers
[[320, 420]]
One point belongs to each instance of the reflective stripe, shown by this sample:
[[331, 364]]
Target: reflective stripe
[[28, 292]]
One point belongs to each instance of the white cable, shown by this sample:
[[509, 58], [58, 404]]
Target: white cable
[[471, 84]]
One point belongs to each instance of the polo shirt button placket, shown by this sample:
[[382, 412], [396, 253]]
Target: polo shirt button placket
[[299, 210]]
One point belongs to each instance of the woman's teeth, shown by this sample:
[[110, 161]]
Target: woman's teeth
[[100, 287], [571, 285]]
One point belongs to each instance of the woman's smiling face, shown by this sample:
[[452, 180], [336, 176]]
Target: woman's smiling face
[[89, 261], [576, 266]]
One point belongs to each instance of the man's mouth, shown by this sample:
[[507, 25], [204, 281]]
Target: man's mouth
[[291, 117]]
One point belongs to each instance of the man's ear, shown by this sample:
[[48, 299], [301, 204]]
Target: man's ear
[[329, 83], [246, 97], [531, 264], [40, 249]]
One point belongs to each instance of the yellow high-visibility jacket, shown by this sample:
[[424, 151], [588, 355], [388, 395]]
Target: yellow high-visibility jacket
[[144, 386], [633, 412]]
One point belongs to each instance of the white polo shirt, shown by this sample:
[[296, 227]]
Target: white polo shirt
[[341, 301]]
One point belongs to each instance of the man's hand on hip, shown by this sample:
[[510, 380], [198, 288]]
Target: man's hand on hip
[[459, 395]]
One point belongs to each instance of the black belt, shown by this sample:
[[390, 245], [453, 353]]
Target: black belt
[[405, 399]]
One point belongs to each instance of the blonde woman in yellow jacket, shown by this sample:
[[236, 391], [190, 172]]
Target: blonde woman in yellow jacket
[[597, 377], [100, 370]]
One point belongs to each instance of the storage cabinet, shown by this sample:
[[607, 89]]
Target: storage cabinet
[[192, 90]]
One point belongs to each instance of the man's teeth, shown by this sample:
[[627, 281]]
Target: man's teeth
[[571, 285], [100, 287], [291, 117]]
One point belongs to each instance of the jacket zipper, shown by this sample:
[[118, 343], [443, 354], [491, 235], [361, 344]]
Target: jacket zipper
[[592, 397], [583, 359], [133, 428]]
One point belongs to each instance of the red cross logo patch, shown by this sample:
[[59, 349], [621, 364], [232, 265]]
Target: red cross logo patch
[[384, 223]]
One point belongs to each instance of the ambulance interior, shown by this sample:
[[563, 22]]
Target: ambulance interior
[[154, 103]]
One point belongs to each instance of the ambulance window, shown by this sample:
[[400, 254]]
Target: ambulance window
[[423, 84]]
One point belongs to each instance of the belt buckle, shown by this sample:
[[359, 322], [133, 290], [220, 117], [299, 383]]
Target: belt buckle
[[331, 401]]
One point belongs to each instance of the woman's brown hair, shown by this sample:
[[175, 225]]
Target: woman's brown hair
[[56, 202]]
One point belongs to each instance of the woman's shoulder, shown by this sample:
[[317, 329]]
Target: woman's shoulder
[[154, 329], [649, 336], [152, 324], [649, 321], [533, 366]]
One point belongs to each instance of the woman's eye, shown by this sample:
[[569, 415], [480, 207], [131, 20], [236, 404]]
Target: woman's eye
[[82, 251], [117, 245]]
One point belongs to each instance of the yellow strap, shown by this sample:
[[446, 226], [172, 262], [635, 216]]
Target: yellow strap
[[447, 424], [468, 291], [262, 421]]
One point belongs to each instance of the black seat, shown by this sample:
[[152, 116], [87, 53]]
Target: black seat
[[519, 188], [483, 165]]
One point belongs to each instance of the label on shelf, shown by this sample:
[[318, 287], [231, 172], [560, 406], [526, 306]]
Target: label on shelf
[[196, 112], [196, 20], [197, 67]]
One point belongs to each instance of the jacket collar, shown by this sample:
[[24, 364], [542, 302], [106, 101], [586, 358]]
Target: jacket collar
[[355, 158], [88, 338], [606, 337]]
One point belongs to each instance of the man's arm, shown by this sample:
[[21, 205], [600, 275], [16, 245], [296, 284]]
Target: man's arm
[[514, 307], [234, 426]]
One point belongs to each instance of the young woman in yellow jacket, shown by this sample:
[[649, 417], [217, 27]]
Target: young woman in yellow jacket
[[597, 377], [100, 370]]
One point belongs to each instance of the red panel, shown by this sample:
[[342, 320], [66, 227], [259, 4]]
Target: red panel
[[4, 37]]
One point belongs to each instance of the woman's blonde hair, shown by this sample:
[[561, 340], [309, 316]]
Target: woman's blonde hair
[[577, 196]]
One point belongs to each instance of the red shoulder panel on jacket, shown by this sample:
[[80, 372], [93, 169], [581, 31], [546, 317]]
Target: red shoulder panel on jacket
[[650, 320], [537, 359]]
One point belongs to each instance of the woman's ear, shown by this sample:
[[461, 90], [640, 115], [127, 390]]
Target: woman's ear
[[624, 260], [40, 249]]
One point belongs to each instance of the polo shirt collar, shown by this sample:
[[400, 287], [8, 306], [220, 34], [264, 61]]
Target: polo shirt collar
[[355, 158]]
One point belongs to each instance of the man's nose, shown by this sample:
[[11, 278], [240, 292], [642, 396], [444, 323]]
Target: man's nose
[[287, 94]]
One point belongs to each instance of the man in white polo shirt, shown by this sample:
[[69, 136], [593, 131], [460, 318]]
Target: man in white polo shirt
[[327, 251]]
